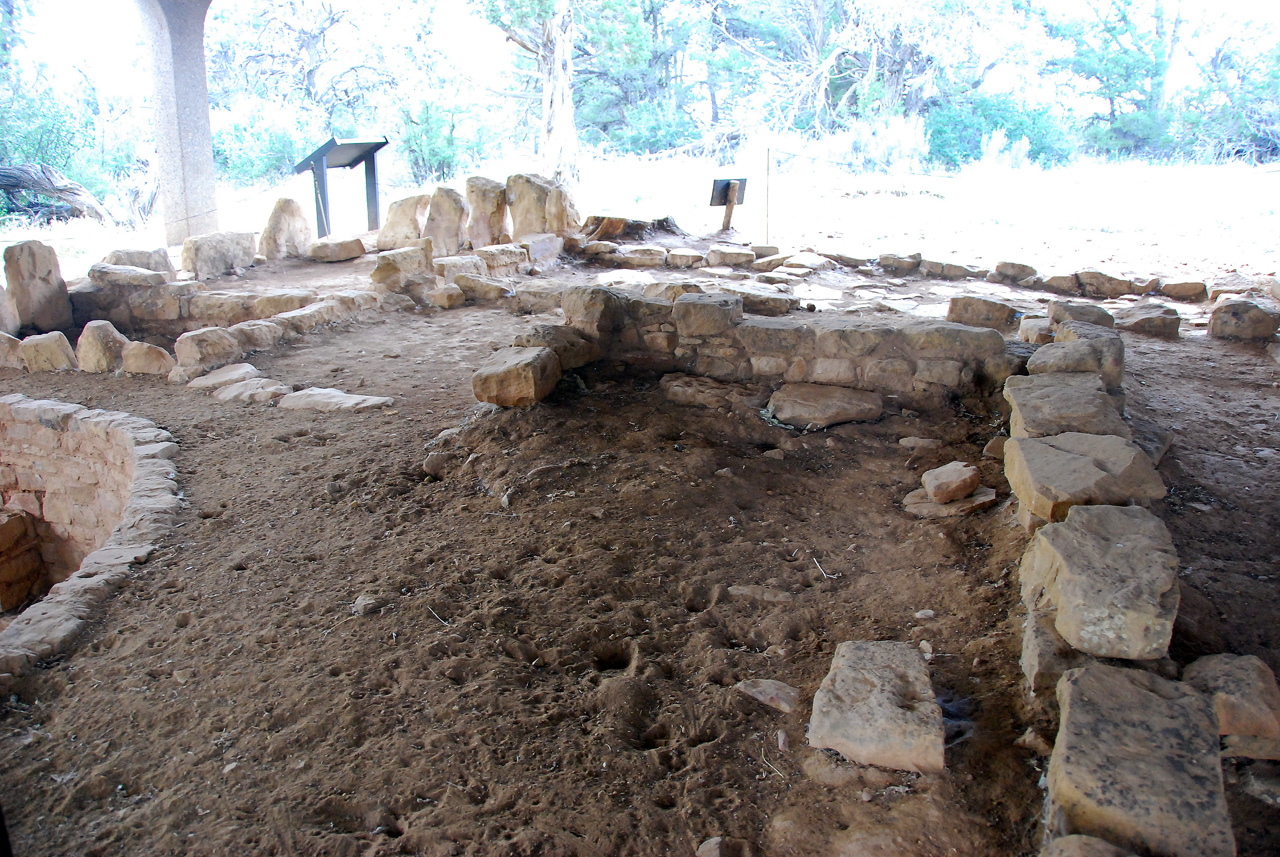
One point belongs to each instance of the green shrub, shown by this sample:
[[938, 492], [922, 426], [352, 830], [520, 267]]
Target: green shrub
[[262, 146], [958, 127], [430, 143]]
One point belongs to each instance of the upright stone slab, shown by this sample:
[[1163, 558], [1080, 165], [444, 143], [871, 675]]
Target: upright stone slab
[[217, 253], [527, 197], [516, 377], [876, 707], [48, 352], [1136, 763], [35, 294], [1048, 404], [406, 220], [141, 358], [288, 232], [1050, 475], [447, 222], [1111, 572], [488, 223], [100, 347], [448, 268]]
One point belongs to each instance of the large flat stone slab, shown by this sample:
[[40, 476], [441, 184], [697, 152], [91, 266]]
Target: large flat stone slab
[[1111, 572], [1055, 402], [919, 504], [1136, 763], [1050, 475], [1243, 691], [876, 707], [328, 399]]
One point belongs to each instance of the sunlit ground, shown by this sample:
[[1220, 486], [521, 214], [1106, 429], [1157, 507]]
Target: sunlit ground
[[1196, 221]]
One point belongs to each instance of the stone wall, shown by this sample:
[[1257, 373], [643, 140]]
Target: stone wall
[[101, 489]]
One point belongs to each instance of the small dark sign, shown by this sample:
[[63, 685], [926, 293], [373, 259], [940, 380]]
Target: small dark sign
[[720, 191]]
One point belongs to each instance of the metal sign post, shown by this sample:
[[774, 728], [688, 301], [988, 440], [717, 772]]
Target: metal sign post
[[343, 153], [730, 193]]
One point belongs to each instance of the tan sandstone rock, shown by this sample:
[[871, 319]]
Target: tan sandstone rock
[[336, 249], [952, 481], [876, 707], [103, 274], [252, 390], [232, 374], [329, 399], [1096, 284], [1049, 404], [151, 260], [775, 694], [447, 221], [810, 406], [572, 348], [1136, 763], [1050, 475], [516, 377], [217, 253], [406, 220], [706, 315], [140, 358], [35, 294], [504, 260], [1111, 574], [1243, 320], [395, 267], [48, 352], [11, 352], [100, 347], [478, 288], [982, 312], [1243, 691], [207, 348], [1082, 846], [288, 232], [1038, 331], [1193, 291], [919, 504], [730, 255], [1150, 319], [1105, 341], [488, 223], [1060, 311]]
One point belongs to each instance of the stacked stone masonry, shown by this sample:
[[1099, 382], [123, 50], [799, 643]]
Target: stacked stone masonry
[[99, 489]]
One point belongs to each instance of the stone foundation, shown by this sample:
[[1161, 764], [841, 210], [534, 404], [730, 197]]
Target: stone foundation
[[96, 489]]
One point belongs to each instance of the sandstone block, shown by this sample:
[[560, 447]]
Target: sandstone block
[[809, 406], [538, 296], [876, 707], [919, 504], [981, 312], [1038, 331], [625, 279], [449, 267], [115, 276], [266, 306], [516, 377], [252, 390], [11, 352], [477, 288], [503, 260], [572, 348], [207, 348], [684, 257], [139, 358], [770, 263], [447, 221], [1244, 320], [1064, 311], [696, 391], [35, 294], [1243, 691], [1015, 271], [706, 315], [962, 272], [896, 263], [638, 256], [1046, 656], [406, 220], [257, 335], [544, 249], [1049, 404], [1193, 291], [601, 248], [671, 291], [394, 267], [288, 232], [762, 299], [1136, 763], [1096, 284], [1050, 475], [1062, 284], [1111, 574], [1149, 319], [100, 348], [488, 202], [328, 399], [812, 261], [775, 694], [596, 312], [232, 374], [1082, 846], [48, 352], [336, 249], [940, 340], [1107, 343], [221, 309], [151, 260], [527, 199], [1075, 356], [729, 255], [952, 481], [217, 253], [446, 297]]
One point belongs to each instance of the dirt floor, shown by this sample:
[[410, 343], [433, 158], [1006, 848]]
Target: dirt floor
[[554, 629]]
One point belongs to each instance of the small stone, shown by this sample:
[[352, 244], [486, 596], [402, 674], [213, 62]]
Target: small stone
[[1194, 291], [1096, 284], [1035, 742], [255, 390], [774, 694], [446, 297], [919, 504], [1038, 331], [995, 448], [924, 614], [1015, 271], [232, 374], [366, 604], [916, 444], [952, 481], [48, 352], [729, 255]]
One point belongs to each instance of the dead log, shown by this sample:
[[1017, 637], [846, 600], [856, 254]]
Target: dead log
[[44, 180]]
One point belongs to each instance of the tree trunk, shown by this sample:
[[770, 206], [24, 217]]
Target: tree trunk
[[559, 132], [46, 181]]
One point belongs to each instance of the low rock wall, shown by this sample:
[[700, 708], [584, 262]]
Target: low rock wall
[[101, 488]]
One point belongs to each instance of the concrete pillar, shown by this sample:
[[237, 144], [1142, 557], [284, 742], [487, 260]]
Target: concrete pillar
[[184, 142]]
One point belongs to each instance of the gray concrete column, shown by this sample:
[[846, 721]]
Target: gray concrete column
[[184, 142]]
